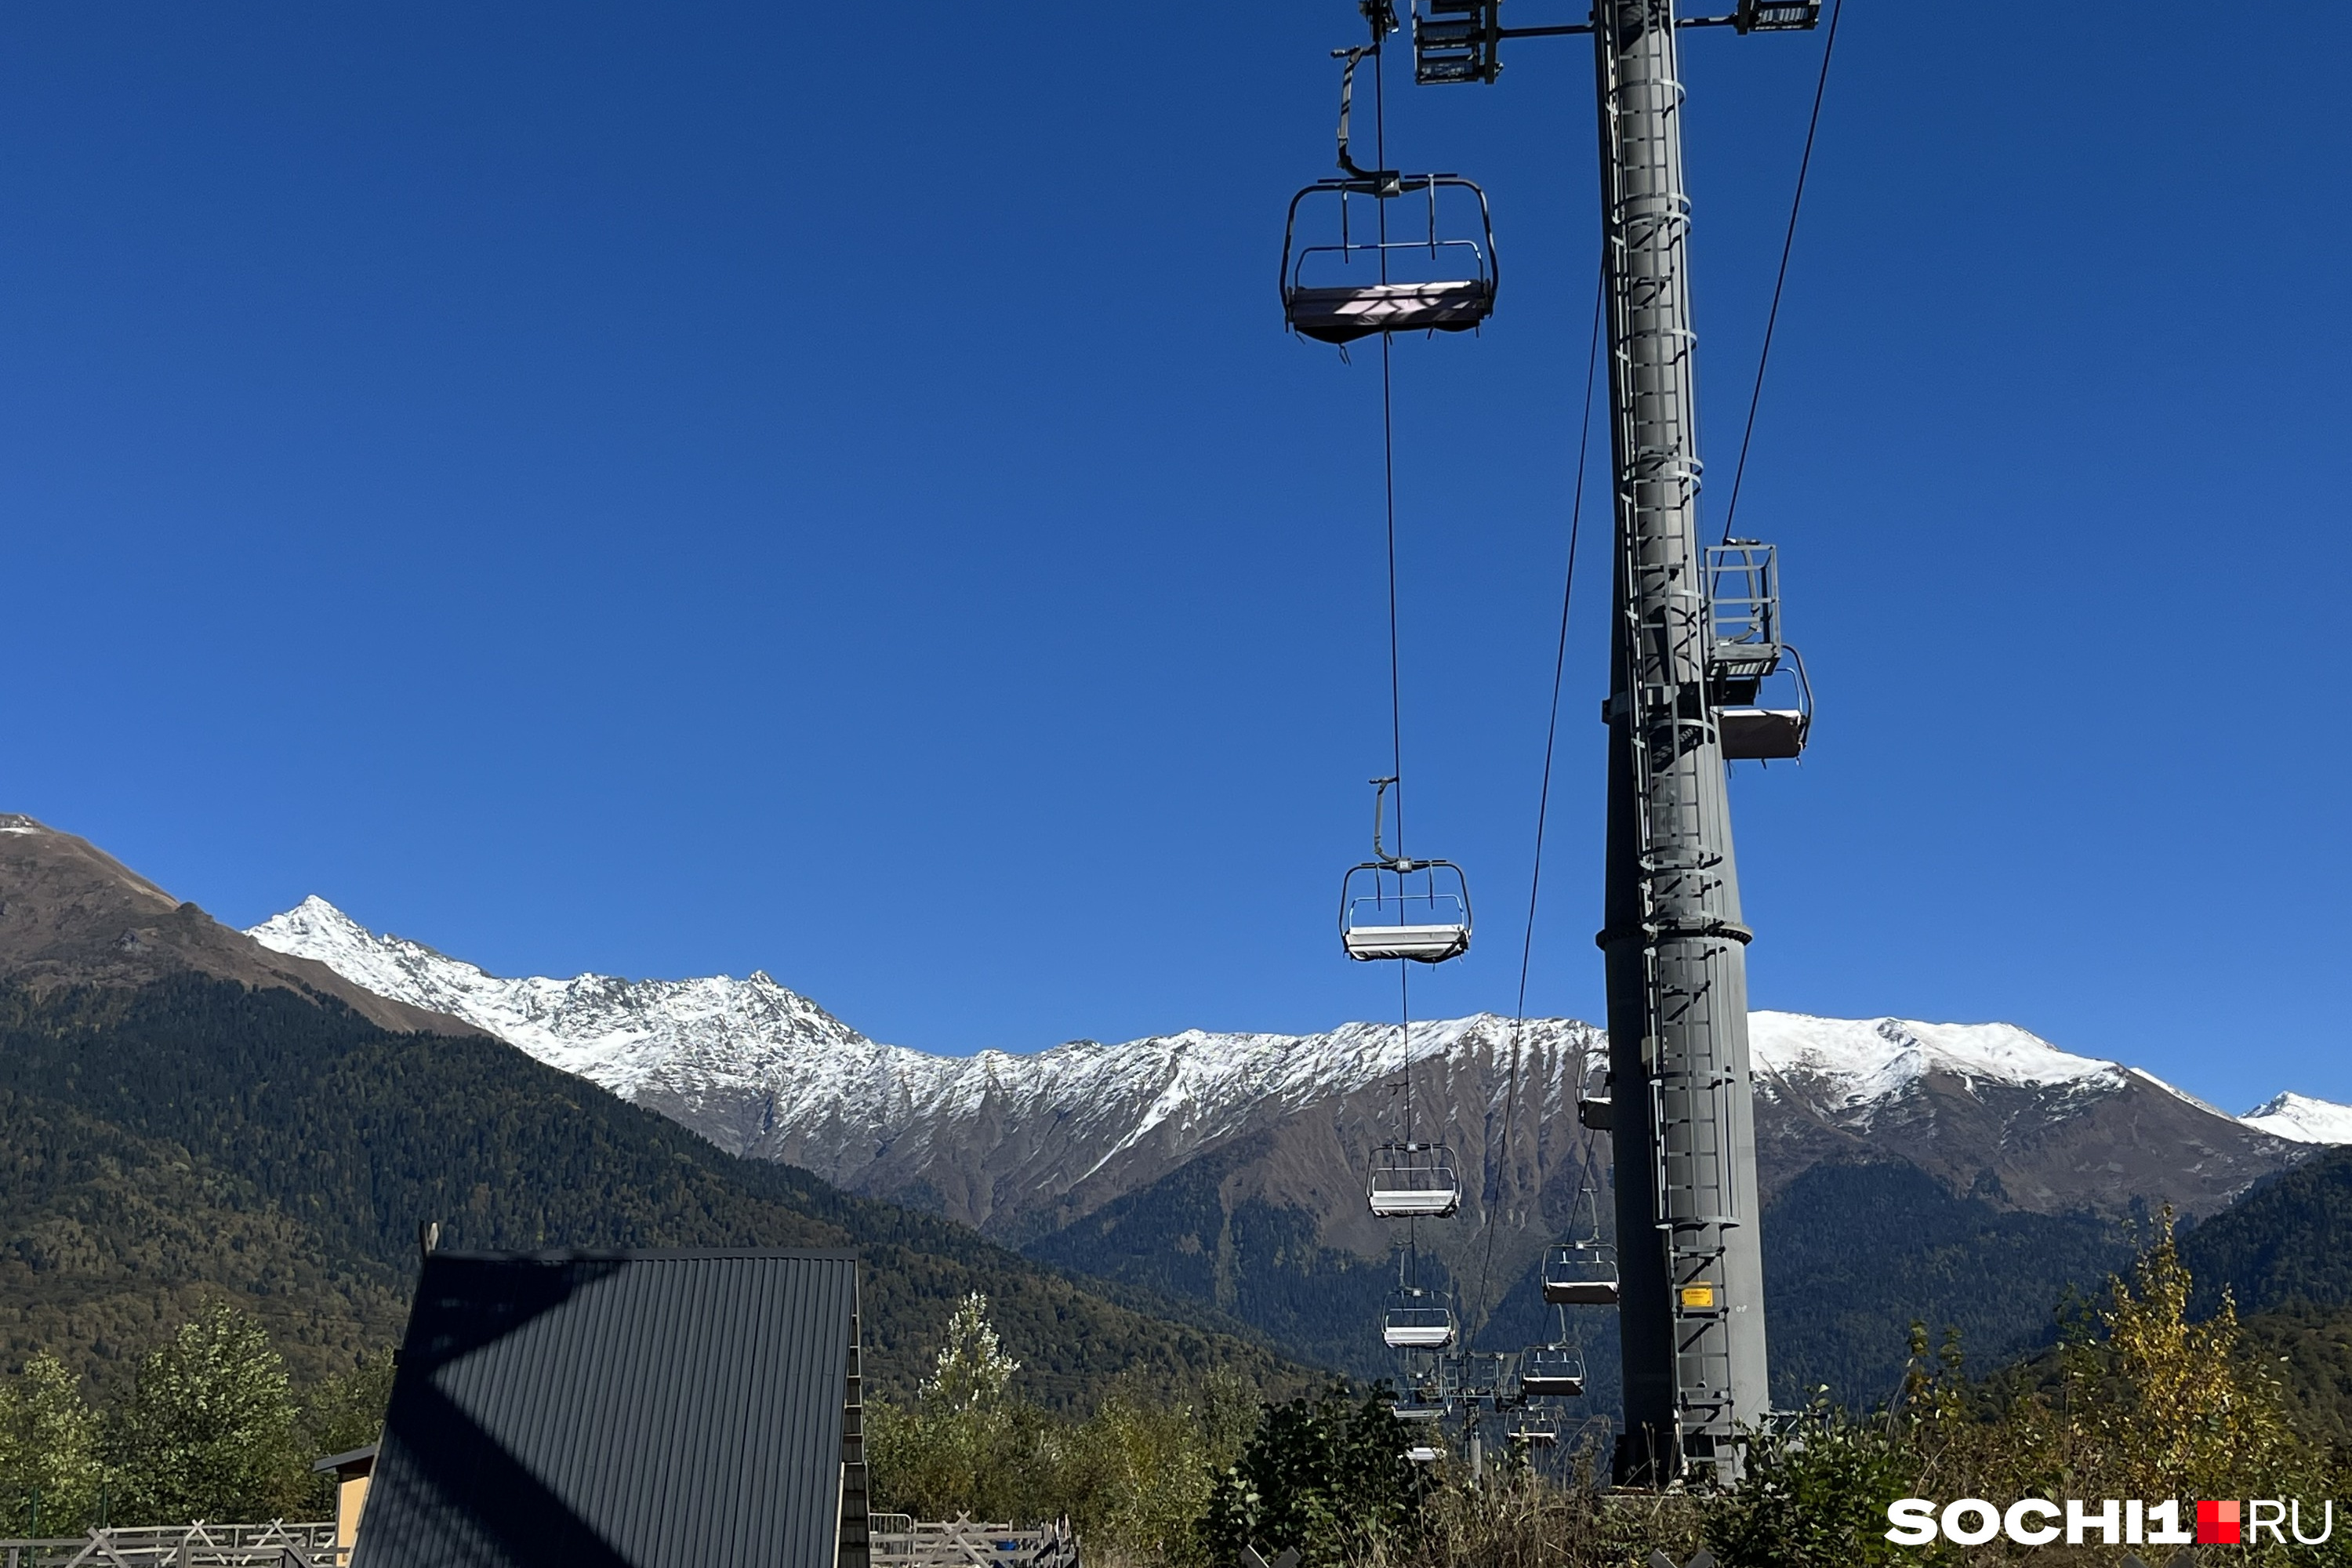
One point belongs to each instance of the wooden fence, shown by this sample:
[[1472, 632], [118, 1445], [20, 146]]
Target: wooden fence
[[277, 1544], [2183, 1558], [900, 1542]]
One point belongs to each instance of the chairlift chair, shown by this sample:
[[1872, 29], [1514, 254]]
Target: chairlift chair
[[1535, 1430], [1548, 1370], [1477, 1374], [1580, 1274], [1392, 905], [1414, 1181], [1425, 1454], [1424, 1375], [1418, 1329], [1325, 292], [1414, 910], [1321, 300]]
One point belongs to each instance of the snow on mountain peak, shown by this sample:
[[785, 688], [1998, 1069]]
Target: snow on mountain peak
[[760, 1068], [1868, 1061], [2300, 1119], [617, 1033]]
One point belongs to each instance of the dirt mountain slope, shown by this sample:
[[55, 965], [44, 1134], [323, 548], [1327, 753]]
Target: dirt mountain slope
[[71, 914]]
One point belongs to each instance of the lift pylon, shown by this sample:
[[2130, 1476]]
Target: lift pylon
[[1680, 1115], [1676, 951]]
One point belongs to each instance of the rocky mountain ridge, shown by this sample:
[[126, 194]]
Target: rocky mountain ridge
[[189, 1116], [1019, 1145]]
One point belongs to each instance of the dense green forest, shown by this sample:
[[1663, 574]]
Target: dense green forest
[[1879, 1244], [1856, 1253], [1853, 1255], [2282, 1244], [2281, 1257], [1262, 1262], [192, 1140]]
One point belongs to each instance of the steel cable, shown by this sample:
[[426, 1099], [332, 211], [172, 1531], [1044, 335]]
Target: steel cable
[[1543, 802], [1788, 245], [1396, 684]]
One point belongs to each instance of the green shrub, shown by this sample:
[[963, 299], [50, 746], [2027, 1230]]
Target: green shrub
[[1326, 1477], [1816, 1495]]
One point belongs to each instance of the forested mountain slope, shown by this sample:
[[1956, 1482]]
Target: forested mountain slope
[[2288, 1243], [2277, 1257], [184, 1112], [192, 1133]]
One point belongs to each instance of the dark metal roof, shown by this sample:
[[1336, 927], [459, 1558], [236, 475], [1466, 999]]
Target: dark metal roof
[[357, 1459], [616, 1410]]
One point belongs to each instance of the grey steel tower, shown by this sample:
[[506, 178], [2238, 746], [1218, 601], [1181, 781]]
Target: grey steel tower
[[1693, 1303], [1695, 631]]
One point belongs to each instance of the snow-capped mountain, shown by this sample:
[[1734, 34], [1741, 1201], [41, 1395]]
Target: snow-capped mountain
[[1996, 1112], [1858, 1064], [764, 1072], [1029, 1143], [2302, 1119], [686, 1040]]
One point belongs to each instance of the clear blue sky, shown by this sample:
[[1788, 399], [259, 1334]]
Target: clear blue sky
[[698, 488]]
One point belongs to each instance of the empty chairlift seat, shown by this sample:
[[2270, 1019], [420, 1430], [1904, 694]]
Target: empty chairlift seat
[[1395, 907], [1418, 910], [1418, 1329], [1351, 283], [1762, 735], [1533, 1430], [1419, 943], [1551, 1370], [1414, 1181], [1423, 1382], [1580, 1274], [1479, 1374], [1343, 313]]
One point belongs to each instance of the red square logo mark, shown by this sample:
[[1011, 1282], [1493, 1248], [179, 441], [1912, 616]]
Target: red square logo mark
[[2217, 1524]]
